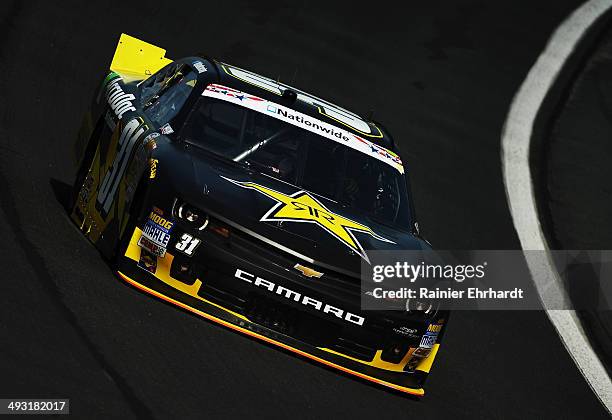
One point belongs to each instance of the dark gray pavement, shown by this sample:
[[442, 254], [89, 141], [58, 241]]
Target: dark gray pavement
[[576, 197]]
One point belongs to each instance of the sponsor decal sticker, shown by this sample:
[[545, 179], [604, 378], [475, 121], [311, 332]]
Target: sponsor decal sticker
[[409, 332], [147, 261], [151, 246], [200, 67], [302, 207], [430, 336], [156, 234], [149, 141], [153, 168], [151, 136], [166, 129], [118, 100], [434, 328]]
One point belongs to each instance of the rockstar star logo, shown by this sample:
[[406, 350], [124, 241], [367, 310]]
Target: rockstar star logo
[[303, 207]]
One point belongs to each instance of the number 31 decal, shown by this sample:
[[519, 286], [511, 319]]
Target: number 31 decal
[[188, 244]]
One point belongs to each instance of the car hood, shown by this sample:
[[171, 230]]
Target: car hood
[[330, 234]]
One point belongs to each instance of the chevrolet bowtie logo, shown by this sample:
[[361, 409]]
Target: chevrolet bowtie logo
[[301, 206], [307, 271]]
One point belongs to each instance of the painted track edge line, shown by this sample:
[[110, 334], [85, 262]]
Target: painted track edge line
[[515, 148]]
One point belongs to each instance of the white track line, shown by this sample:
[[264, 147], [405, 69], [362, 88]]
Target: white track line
[[516, 137]]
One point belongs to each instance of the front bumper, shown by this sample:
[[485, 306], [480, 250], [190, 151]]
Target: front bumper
[[157, 280]]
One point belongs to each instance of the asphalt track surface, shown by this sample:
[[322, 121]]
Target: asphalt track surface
[[439, 76], [577, 199]]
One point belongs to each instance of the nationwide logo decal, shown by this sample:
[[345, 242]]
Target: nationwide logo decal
[[303, 207], [306, 121]]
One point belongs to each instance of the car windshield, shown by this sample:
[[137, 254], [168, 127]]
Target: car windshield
[[297, 156]]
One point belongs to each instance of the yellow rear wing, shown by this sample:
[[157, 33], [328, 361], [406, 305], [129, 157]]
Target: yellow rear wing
[[135, 59]]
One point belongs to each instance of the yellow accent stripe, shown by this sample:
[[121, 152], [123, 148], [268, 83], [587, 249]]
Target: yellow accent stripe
[[377, 361], [414, 391], [229, 73], [424, 365], [363, 133]]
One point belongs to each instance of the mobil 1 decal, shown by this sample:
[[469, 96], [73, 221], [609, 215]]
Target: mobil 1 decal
[[131, 132]]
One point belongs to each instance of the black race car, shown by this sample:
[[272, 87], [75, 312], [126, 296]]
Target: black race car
[[251, 204]]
